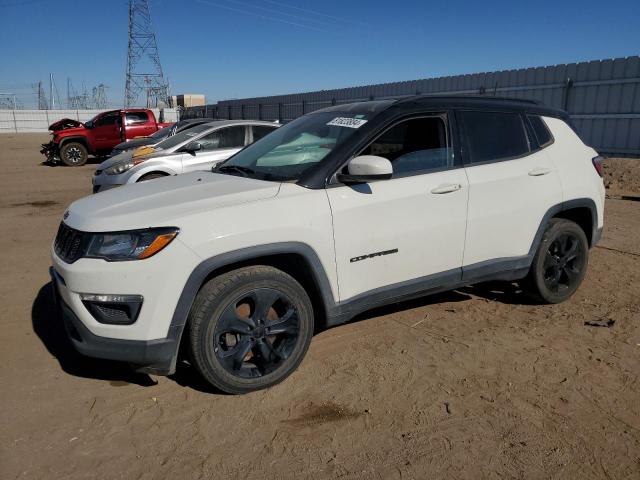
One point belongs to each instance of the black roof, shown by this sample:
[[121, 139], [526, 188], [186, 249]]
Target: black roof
[[448, 101]]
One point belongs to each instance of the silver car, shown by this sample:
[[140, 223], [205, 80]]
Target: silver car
[[199, 148]]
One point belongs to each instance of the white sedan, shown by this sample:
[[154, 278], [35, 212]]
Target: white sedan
[[199, 148]]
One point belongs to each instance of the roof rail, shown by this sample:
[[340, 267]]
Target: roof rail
[[477, 97]]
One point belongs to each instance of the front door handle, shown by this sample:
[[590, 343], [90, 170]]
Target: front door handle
[[446, 188], [539, 171]]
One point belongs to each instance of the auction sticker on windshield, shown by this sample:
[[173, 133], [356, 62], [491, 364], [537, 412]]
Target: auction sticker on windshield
[[347, 122]]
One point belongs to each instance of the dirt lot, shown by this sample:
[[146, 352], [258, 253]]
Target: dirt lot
[[476, 383]]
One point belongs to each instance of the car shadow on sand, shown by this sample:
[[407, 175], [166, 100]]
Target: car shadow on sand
[[509, 293], [90, 161], [47, 324]]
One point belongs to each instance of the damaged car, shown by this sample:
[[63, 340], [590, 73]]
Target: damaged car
[[73, 141]]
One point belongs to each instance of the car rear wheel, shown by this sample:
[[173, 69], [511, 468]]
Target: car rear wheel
[[74, 154], [250, 328], [560, 263]]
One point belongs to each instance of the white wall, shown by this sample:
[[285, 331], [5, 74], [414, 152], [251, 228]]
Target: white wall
[[18, 121]]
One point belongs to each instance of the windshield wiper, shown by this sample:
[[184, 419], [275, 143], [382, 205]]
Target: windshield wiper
[[234, 168]]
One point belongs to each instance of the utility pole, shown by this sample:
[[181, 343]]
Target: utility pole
[[42, 99], [144, 71], [52, 102]]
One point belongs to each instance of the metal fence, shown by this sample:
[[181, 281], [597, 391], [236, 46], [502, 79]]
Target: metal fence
[[20, 121], [602, 97]]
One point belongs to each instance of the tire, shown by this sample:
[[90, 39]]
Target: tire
[[249, 329], [74, 154], [151, 176], [560, 262]]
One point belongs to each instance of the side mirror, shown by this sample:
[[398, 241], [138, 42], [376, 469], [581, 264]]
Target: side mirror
[[88, 124], [192, 147], [366, 168]]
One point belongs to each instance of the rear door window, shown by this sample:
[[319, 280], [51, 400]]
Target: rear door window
[[232, 137], [260, 131], [109, 119], [136, 118], [494, 136]]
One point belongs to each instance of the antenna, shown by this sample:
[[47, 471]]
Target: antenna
[[144, 71]]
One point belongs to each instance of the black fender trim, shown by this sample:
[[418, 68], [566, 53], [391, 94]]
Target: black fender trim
[[79, 139], [206, 267], [561, 207]]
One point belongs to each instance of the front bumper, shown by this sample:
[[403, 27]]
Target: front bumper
[[151, 342], [51, 152], [101, 181], [150, 356]]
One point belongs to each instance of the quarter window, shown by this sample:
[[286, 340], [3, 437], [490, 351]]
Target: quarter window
[[134, 118], [412, 146], [540, 129], [493, 136]]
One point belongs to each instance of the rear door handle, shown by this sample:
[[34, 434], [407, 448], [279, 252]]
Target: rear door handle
[[539, 171], [446, 188]]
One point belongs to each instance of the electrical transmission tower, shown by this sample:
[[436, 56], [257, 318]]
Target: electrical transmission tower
[[144, 71], [99, 97]]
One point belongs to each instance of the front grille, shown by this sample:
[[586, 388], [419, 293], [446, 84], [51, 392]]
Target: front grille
[[69, 244]]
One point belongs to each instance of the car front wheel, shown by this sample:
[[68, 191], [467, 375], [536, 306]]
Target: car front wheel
[[560, 263], [74, 154], [250, 328]]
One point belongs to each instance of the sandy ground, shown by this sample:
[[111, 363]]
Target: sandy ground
[[475, 383], [622, 176]]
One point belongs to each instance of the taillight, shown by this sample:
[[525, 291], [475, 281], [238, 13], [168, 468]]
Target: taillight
[[597, 164]]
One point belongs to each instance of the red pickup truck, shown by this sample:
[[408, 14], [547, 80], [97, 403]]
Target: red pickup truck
[[73, 141]]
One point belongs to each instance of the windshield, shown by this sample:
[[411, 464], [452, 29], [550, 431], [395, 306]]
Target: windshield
[[178, 138], [289, 151], [162, 133]]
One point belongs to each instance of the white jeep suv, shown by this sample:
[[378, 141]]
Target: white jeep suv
[[339, 211]]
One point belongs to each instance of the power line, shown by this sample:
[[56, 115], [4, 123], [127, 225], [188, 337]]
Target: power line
[[314, 12], [323, 23], [259, 15]]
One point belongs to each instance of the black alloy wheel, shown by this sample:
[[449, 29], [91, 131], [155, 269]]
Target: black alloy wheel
[[256, 333], [563, 263], [249, 328], [560, 262]]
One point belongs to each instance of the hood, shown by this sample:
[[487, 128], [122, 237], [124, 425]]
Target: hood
[[65, 124], [120, 157], [164, 202]]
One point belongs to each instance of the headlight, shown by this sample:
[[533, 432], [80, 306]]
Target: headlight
[[119, 168], [131, 245]]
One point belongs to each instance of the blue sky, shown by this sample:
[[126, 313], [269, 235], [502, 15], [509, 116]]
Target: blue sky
[[240, 48]]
